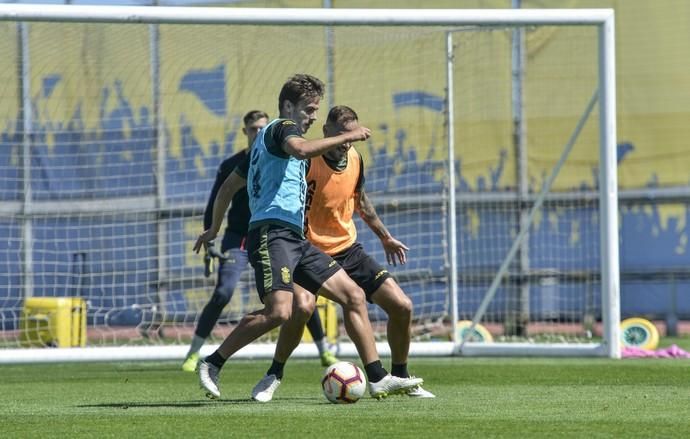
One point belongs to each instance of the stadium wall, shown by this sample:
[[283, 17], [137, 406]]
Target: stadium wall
[[110, 108]]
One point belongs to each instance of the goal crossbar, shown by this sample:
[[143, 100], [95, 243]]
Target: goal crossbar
[[307, 16]]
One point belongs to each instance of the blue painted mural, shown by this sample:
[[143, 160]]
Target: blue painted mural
[[112, 259]]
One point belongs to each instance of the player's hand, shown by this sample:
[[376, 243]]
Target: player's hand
[[214, 252], [209, 267], [209, 263], [358, 134], [203, 240], [396, 251]]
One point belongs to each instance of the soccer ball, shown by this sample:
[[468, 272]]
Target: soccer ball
[[343, 383]]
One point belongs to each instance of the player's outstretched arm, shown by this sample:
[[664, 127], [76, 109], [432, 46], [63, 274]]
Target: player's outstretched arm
[[227, 191], [393, 248], [303, 149]]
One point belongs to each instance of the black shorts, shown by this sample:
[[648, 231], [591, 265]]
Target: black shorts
[[280, 256], [362, 268]]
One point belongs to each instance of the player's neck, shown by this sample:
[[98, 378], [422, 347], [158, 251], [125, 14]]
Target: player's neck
[[337, 164]]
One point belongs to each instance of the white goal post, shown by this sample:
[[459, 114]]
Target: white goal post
[[508, 274]]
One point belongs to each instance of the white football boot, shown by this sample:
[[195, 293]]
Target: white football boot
[[418, 392], [264, 389], [391, 385], [208, 379]]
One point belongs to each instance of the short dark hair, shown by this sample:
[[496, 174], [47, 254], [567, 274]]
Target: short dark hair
[[253, 116], [341, 114], [300, 87]]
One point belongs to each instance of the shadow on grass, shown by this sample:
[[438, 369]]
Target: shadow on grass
[[183, 404]]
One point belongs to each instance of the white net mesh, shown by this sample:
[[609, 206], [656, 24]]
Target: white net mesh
[[118, 185], [128, 124], [551, 290]]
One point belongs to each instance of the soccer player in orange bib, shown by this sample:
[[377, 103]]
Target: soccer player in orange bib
[[335, 190]]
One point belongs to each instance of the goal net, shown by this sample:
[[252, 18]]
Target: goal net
[[491, 158]]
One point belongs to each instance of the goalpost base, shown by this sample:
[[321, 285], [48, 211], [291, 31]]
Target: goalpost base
[[178, 352], [304, 350], [532, 350]]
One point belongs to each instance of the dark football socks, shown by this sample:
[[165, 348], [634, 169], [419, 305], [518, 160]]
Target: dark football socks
[[215, 359], [276, 369], [375, 371], [400, 370]]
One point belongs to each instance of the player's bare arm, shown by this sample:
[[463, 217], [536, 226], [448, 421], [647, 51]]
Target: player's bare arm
[[303, 149], [393, 248], [227, 191]]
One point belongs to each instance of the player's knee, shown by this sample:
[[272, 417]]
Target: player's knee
[[403, 307], [278, 316], [394, 302], [356, 299], [221, 298], [303, 311]]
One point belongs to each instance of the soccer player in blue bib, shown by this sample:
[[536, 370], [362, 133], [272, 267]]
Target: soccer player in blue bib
[[278, 250], [335, 182], [233, 248]]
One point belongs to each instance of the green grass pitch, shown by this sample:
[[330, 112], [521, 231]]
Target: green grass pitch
[[475, 398]]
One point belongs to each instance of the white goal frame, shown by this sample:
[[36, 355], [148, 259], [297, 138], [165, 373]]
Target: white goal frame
[[602, 19]]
